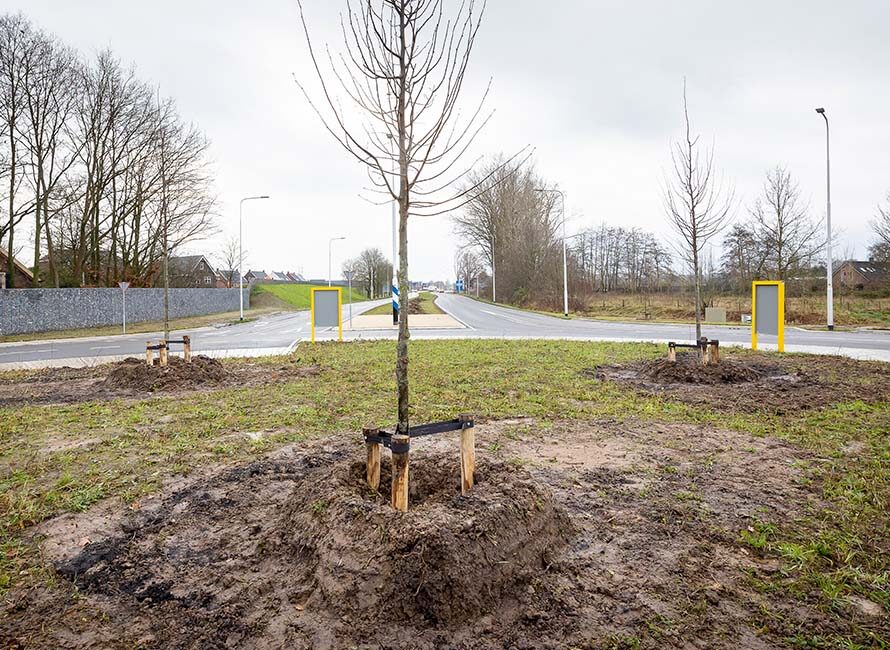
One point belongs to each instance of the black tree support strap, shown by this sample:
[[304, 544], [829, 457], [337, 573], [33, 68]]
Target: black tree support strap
[[385, 439]]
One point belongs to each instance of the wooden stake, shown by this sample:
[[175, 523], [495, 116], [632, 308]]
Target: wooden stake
[[400, 474], [187, 349], [715, 352], [467, 454], [162, 353], [373, 464], [672, 354], [149, 354]]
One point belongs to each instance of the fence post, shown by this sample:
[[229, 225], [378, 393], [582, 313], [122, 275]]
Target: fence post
[[400, 448], [187, 349], [149, 354], [672, 353], [373, 462], [715, 352], [467, 453], [162, 352]]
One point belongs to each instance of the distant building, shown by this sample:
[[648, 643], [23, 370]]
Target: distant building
[[22, 277], [227, 278], [857, 276], [191, 271]]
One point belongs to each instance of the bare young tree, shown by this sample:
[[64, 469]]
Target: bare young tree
[[229, 260], [696, 202], [786, 236], [880, 248], [404, 68]]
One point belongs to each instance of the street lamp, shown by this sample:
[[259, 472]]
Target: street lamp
[[330, 244], [565, 264], [240, 253], [830, 269]]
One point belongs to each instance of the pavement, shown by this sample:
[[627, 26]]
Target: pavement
[[281, 333]]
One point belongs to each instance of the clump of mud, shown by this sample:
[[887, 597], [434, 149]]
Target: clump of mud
[[450, 559], [688, 369], [136, 375]]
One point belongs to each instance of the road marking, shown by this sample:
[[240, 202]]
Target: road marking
[[512, 320], [20, 352], [106, 347]]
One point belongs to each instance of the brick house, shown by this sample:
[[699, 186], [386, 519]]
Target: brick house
[[22, 277], [853, 275]]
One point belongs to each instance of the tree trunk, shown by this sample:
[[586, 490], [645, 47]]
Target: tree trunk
[[404, 286], [697, 271]]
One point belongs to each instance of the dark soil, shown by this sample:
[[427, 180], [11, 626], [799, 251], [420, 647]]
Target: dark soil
[[755, 382], [133, 378], [136, 375], [594, 536]]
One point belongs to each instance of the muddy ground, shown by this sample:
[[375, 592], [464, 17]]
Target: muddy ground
[[587, 535], [133, 378], [754, 383]]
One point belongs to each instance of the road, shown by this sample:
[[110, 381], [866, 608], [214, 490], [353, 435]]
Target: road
[[280, 333]]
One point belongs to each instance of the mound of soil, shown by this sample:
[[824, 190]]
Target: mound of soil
[[688, 369], [448, 560], [749, 383], [298, 552], [136, 375]]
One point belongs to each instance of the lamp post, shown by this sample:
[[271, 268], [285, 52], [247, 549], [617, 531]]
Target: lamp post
[[240, 250], [829, 272], [330, 244], [565, 264]]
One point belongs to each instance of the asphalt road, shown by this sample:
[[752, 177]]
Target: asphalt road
[[278, 334]]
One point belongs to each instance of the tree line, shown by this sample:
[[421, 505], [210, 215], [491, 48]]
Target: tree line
[[511, 228], [100, 175]]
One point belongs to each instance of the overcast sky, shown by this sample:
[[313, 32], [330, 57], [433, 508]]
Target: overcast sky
[[595, 86]]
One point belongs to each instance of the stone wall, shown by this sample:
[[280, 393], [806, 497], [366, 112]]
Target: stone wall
[[45, 310]]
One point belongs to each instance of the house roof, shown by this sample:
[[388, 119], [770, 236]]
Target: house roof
[[24, 270], [185, 264], [877, 271]]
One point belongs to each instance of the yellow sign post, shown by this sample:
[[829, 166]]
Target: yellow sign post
[[326, 309], [768, 311]]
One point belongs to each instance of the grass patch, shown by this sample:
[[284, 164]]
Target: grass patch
[[826, 557], [298, 296], [424, 303]]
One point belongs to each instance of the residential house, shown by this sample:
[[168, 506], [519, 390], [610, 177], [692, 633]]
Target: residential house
[[252, 277], [191, 271], [295, 277], [227, 278], [854, 275], [22, 277]]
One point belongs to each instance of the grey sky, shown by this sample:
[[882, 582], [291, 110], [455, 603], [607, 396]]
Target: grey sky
[[594, 86]]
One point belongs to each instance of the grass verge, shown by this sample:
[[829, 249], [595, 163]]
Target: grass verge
[[66, 458], [424, 303], [298, 296]]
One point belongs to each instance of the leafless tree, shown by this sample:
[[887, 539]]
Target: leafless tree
[[468, 266], [372, 271], [50, 92], [229, 260], [880, 248], [513, 228], [787, 238], [696, 202], [404, 68], [16, 36]]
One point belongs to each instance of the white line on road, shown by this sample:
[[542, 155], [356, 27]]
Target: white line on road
[[106, 347]]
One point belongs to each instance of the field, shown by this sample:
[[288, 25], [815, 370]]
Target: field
[[639, 506], [424, 303], [849, 311], [295, 296]]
